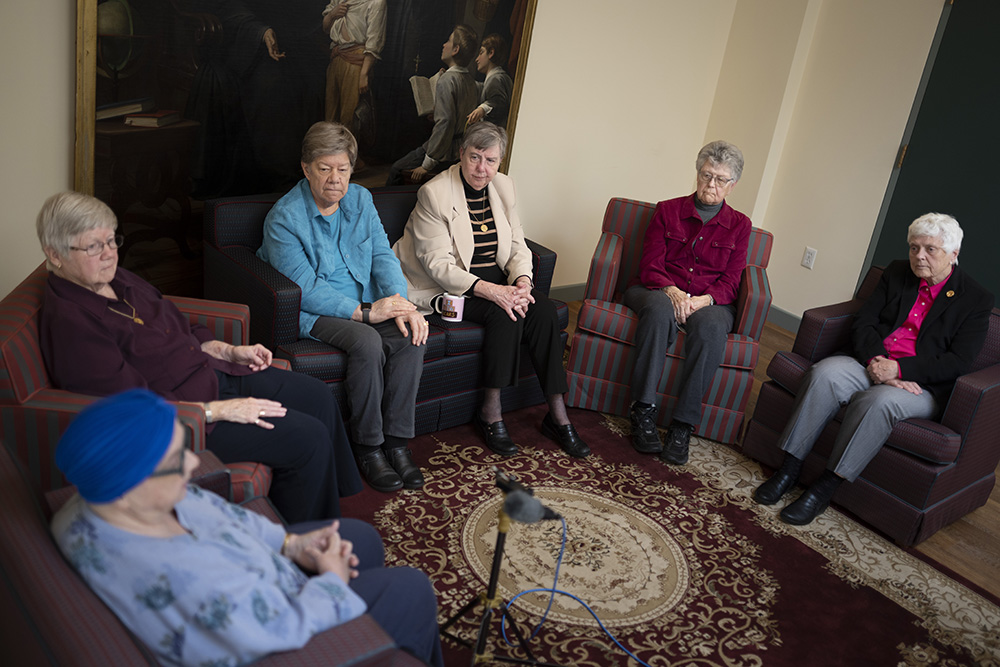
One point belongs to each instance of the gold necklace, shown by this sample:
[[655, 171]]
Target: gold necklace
[[137, 320], [483, 226]]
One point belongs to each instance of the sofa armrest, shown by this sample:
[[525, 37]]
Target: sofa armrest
[[543, 264], [825, 330], [753, 300], [237, 274], [605, 265], [229, 321], [973, 411]]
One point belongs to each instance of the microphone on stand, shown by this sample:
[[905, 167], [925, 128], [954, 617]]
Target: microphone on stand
[[525, 508]]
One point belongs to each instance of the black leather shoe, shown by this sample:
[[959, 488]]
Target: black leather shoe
[[566, 436], [675, 450], [780, 482], [399, 459], [645, 437], [773, 489], [380, 475], [813, 502], [809, 506], [496, 437]]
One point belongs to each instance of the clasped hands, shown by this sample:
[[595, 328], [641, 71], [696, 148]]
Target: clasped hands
[[514, 299], [322, 551], [882, 370], [403, 311], [685, 304]]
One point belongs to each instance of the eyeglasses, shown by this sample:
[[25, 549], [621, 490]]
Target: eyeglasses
[[709, 179], [97, 247], [179, 470]]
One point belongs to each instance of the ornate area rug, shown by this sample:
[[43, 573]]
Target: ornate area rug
[[679, 564]]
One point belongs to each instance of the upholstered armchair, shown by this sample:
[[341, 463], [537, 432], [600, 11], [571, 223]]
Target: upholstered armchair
[[600, 361], [33, 413], [51, 617], [449, 391], [929, 473]]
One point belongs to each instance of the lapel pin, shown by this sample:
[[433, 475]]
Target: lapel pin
[[950, 293]]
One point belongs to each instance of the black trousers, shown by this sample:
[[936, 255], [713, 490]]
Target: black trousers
[[307, 449], [400, 599], [503, 338]]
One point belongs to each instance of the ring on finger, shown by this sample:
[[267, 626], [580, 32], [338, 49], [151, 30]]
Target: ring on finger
[[257, 422], [260, 414]]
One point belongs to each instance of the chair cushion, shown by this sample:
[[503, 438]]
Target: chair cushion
[[922, 438], [619, 323]]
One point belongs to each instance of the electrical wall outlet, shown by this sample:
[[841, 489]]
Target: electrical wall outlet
[[809, 257]]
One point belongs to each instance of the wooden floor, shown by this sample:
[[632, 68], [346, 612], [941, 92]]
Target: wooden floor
[[970, 546]]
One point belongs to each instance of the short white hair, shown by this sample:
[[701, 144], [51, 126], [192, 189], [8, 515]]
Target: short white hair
[[940, 226]]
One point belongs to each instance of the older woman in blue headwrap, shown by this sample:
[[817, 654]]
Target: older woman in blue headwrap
[[202, 581]]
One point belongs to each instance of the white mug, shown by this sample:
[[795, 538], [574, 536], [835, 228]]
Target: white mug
[[452, 307]]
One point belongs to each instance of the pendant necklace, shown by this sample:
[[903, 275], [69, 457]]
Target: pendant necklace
[[482, 226], [137, 320]]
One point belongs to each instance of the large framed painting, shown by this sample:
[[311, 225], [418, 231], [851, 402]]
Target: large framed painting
[[225, 89]]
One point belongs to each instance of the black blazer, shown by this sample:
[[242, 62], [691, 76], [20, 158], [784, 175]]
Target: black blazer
[[949, 338]]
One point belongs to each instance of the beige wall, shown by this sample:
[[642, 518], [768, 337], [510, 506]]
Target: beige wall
[[616, 103], [860, 79], [37, 76]]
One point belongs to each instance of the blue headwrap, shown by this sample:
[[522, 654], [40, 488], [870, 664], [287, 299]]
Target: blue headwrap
[[114, 444]]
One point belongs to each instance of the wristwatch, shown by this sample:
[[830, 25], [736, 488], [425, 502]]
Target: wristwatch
[[366, 312]]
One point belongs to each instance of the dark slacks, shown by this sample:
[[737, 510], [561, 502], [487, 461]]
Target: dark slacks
[[383, 374], [705, 343], [400, 599], [307, 449], [503, 338]]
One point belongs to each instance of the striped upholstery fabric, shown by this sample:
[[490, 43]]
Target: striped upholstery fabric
[[233, 273], [33, 414], [929, 473], [600, 359]]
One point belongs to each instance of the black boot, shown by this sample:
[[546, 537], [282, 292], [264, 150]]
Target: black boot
[[814, 501], [675, 450], [783, 479], [645, 437]]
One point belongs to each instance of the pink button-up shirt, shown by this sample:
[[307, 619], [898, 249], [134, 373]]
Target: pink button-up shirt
[[903, 341]]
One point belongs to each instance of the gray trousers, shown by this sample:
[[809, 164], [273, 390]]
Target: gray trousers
[[872, 411], [383, 372], [705, 343]]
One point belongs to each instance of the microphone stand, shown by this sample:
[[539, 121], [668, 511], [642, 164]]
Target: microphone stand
[[492, 603]]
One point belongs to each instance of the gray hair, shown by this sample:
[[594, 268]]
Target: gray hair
[[326, 138], [66, 215], [721, 153], [483, 135], [937, 225]]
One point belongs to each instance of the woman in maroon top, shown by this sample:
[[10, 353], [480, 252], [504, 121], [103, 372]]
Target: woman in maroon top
[[693, 256], [104, 330]]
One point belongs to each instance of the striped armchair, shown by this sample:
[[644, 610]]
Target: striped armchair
[[600, 361], [33, 413]]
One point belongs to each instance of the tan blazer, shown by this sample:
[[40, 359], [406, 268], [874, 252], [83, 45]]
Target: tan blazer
[[437, 245]]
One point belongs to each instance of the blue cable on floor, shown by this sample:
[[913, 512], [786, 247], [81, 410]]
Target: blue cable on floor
[[553, 591]]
